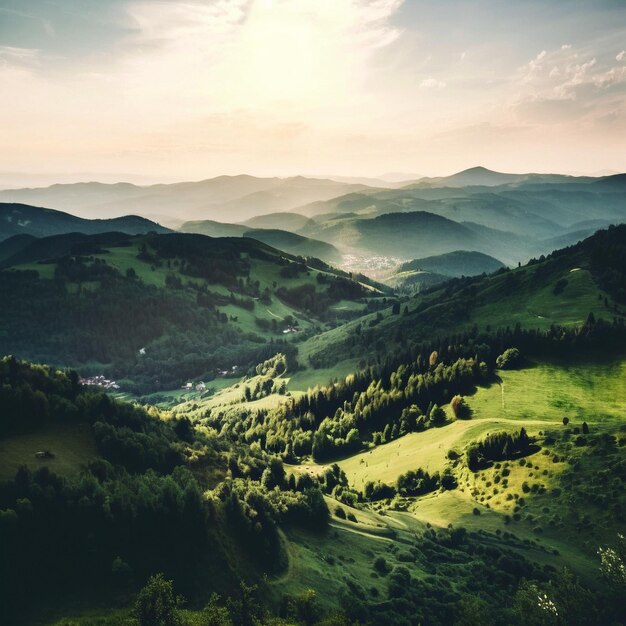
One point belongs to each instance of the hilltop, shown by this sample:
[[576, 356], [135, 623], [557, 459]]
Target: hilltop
[[22, 219], [455, 264], [290, 242], [420, 273], [411, 234]]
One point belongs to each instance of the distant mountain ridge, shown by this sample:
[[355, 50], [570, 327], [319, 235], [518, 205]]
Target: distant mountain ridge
[[236, 197], [481, 176]]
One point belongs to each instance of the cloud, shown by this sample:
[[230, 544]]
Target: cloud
[[621, 56], [432, 83], [566, 85], [15, 55]]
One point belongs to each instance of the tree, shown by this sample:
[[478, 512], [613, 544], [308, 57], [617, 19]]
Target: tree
[[613, 563], [509, 359], [437, 415], [156, 604], [585, 428], [565, 421], [532, 606], [460, 408], [246, 611], [214, 614], [473, 611]]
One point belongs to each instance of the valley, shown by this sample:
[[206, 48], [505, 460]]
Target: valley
[[341, 413]]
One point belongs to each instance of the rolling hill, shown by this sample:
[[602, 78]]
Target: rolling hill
[[22, 219], [482, 177], [103, 302], [292, 222], [560, 290], [290, 242], [455, 264], [422, 273], [415, 234], [537, 212]]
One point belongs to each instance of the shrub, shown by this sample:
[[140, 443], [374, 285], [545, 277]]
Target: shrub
[[380, 565], [340, 513]]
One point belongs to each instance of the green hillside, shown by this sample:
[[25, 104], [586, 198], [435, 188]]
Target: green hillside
[[421, 273], [562, 289], [129, 307], [439, 470]]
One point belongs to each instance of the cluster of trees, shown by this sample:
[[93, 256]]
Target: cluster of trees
[[378, 404], [498, 446], [416, 483]]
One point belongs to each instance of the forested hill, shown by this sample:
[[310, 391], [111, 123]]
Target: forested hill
[[153, 311], [563, 288], [455, 264], [23, 219], [119, 494]]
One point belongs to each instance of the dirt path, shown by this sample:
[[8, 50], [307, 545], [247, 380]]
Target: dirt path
[[292, 568]]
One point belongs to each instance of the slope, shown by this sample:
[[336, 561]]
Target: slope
[[132, 306], [290, 242], [22, 219], [562, 289]]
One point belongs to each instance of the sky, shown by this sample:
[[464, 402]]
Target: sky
[[148, 90]]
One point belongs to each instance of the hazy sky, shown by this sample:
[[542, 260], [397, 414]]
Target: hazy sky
[[186, 89]]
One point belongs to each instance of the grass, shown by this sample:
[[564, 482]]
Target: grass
[[536, 397], [592, 392], [540, 308], [72, 444]]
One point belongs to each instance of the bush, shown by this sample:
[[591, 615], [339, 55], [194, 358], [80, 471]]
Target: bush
[[156, 603], [380, 565], [340, 513]]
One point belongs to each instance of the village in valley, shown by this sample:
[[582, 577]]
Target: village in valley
[[99, 381]]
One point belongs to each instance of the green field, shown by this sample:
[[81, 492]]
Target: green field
[[72, 445]]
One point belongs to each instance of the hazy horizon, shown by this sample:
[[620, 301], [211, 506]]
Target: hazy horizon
[[36, 180], [168, 91]]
